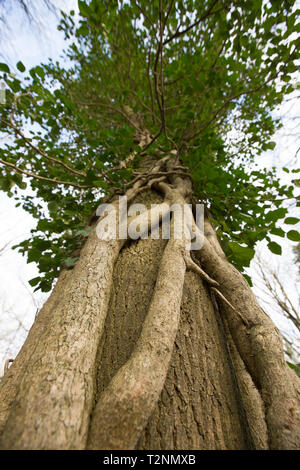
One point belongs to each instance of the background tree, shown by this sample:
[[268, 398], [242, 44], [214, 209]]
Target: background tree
[[297, 254], [18, 18], [172, 102], [271, 286], [27, 12]]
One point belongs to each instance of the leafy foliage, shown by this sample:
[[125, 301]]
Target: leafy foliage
[[204, 77]]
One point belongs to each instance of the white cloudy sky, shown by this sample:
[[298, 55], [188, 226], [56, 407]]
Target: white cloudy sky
[[18, 304], [31, 44]]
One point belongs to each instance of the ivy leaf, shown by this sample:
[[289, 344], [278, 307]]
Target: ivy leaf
[[275, 248], [273, 216], [293, 235], [294, 367], [21, 66], [4, 67], [84, 233], [291, 220], [83, 8], [242, 254], [277, 231], [33, 282], [248, 279], [33, 255], [269, 146]]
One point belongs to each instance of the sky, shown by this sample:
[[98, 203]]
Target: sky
[[31, 44], [18, 303]]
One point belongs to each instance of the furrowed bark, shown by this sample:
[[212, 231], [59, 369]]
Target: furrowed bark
[[12, 378], [124, 407], [198, 407], [260, 346], [112, 345], [251, 399], [55, 394]]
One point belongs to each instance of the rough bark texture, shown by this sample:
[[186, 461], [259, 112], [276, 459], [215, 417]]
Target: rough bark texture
[[260, 347], [10, 382], [132, 351], [200, 406], [55, 393]]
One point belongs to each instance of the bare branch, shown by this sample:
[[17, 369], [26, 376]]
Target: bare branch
[[202, 18], [41, 152], [44, 178]]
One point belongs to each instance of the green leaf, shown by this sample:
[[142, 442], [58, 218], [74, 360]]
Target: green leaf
[[4, 67], [84, 233], [291, 220], [277, 231], [269, 146], [83, 30], [40, 71], [33, 282], [276, 214], [45, 286], [242, 253], [275, 248], [21, 66], [294, 367], [14, 85], [293, 235], [101, 184], [248, 279], [33, 255], [83, 8]]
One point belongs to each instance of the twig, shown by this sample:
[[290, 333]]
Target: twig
[[191, 265], [203, 17], [43, 154], [230, 305], [44, 178]]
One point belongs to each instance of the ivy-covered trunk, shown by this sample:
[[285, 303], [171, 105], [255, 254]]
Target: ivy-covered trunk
[[137, 348], [147, 343], [200, 405]]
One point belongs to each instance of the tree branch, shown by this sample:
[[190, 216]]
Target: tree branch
[[44, 178], [41, 152], [203, 17]]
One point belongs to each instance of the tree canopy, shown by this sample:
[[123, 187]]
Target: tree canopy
[[203, 77]]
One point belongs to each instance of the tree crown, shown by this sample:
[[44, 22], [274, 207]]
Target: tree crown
[[202, 77]]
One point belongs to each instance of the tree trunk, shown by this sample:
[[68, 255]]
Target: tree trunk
[[133, 351], [200, 406]]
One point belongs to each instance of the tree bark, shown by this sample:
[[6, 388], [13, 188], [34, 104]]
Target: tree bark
[[133, 351]]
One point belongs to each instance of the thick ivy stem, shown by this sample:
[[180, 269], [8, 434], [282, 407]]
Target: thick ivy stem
[[124, 407], [191, 265], [35, 404], [259, 344], [11, 380], [62, 368]]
